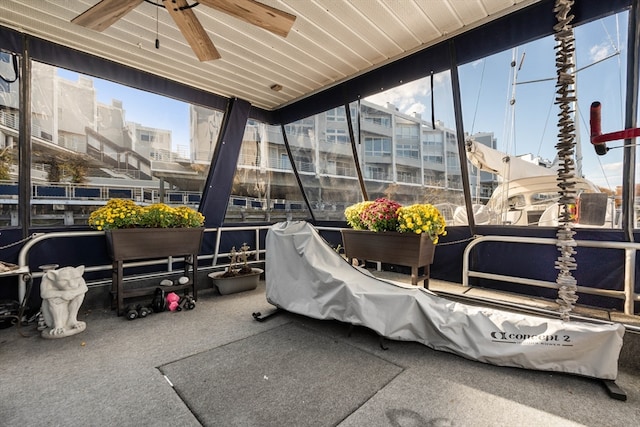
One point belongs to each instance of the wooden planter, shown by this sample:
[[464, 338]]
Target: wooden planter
[[152, 243], [230, 285], [409, 249], [148, 243]]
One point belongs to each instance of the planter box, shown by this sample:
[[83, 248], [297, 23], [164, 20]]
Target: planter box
[[149, 243], [230, 285], [409, 249]]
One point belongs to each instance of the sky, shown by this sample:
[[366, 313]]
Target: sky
[[528, 126]]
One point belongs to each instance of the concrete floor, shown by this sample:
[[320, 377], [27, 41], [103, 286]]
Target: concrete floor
[[108, 375]]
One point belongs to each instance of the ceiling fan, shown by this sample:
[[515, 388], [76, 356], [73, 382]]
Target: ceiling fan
[[106, 12]]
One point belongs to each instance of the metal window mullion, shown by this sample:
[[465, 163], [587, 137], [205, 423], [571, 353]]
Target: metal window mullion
[[24, 141]]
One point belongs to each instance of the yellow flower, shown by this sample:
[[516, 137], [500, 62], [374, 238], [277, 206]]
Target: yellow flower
[[121, 213], [422, 218], [353, 215]]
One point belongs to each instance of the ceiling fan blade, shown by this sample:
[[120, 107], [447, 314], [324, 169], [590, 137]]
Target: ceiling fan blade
[[253, 12], [105, 13], [191, 29]]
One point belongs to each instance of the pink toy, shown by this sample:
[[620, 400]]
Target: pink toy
[[173, 301]]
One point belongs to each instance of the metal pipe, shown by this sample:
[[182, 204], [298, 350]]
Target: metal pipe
[[457, 109], [631, 111], [531, 309], [37, 238], [628, 294], [24, 141], [354, 149], [294, 168], [629, 277]]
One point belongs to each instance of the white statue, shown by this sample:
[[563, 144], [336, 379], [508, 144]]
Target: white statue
[[62, 293]]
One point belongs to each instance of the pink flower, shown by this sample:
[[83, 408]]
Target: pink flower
[[381, 215]]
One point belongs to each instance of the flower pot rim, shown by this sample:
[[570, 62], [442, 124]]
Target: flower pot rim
[[217, 274], [111, 230]]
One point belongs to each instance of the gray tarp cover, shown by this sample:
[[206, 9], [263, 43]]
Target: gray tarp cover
[[304, 275]]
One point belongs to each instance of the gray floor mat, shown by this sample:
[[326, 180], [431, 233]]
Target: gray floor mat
[[289, 375]]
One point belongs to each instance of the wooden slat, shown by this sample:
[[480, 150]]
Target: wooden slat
[[105, 13], [192, 30], [253, 12]]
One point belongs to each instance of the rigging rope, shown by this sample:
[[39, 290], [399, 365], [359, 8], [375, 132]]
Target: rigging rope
[[19, 241], [455, 242], [475, 111], [565, 91]]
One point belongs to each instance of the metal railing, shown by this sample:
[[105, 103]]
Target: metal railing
[[628, 294], [23, 256]]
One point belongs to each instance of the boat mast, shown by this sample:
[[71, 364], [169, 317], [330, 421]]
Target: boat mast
[[509, 135]]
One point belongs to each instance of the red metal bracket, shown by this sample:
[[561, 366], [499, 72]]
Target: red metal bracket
[[598, 139]]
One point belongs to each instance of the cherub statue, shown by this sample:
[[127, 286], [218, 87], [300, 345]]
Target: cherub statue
[[62, 293]]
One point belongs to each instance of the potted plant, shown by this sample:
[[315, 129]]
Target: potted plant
[[154, 231], [238, 276], [385, 231], [136, 232]]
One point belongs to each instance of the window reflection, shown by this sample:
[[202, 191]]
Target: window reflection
[[401, 155], [321, 149], [93, 140], [407, 157], [509, 110], [264, 186], [9, 124]]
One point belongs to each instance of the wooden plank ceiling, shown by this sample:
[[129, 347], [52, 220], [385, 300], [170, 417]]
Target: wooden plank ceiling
[[330, 41]]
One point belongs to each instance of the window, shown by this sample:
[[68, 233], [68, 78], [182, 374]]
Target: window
[[409, 132], [338, 136], [508, 102], [264, 187], [9, 137], [384, 121], [324, 159], [408, 177], [377, 146], [336, 115], [146, 137], [396, 152], [407, 150], [89, 145], [376, 173], [285, 163]]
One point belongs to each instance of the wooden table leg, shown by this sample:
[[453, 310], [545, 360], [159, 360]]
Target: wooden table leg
[[120, 288], [427, 274], [414, 275]]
